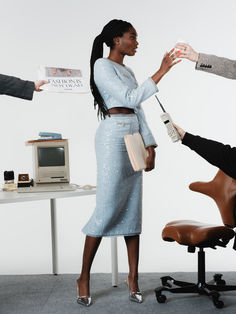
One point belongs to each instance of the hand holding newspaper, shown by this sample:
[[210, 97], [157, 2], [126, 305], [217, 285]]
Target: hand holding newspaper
[[61, 80]]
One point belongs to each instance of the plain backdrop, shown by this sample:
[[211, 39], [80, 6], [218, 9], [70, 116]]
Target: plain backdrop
[[61, 33]]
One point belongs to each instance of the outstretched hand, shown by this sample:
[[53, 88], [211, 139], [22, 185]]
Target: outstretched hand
[[168, 60], [38, 84], [186, 51]]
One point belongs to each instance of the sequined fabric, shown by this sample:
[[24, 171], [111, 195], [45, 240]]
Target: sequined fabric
[[119, 88], [119, 188]]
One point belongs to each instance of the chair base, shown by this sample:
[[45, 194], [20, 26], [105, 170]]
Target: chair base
[[210, 288]]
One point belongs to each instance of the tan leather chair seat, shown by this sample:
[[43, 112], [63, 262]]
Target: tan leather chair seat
[[194, 233]]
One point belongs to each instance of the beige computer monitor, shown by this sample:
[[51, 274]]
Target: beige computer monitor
[[51, 161]]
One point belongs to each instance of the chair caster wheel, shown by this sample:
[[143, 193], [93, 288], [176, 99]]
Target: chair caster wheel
[[161, 298], [215, 298], [218, 280], [218, 304], [164, 281]]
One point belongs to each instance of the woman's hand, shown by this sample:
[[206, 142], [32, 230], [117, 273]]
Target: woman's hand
[[169, 60], [167, 63], [186, 51], [150, 161]]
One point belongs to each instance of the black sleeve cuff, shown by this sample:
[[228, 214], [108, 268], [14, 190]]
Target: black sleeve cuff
[[187, 139], [28, 90]]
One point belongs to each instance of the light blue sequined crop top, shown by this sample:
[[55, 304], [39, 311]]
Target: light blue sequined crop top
[[119, 88]]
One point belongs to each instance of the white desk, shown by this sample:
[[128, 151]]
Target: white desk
[[14, 197]]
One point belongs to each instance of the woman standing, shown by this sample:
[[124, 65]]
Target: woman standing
[[118, 209]]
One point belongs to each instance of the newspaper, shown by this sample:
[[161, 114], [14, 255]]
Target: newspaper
[[62, 80]]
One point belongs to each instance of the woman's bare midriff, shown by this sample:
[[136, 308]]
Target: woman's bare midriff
[[117, 110]]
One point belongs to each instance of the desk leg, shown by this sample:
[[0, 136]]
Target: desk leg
[[54, 236], [114, 261]]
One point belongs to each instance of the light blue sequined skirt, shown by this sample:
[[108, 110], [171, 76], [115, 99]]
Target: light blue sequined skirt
[[119, 188]]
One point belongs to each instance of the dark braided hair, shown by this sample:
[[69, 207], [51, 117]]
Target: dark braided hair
[[115, 28]]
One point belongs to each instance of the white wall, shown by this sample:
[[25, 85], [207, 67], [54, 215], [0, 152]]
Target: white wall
[[60, 33]]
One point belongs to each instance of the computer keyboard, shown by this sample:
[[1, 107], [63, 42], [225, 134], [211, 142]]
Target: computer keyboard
[[48, 188]]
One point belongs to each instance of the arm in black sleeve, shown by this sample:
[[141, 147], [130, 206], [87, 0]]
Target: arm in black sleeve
[[13, 86], [218, 154]]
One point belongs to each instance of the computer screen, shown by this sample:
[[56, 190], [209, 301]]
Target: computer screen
[[51, 161], [51, 156]]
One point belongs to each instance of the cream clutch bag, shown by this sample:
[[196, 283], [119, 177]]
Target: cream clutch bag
[[136, 151]]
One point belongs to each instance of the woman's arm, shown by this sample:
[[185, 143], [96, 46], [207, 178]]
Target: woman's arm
[[148, 138], [108, 82], [144, 129]]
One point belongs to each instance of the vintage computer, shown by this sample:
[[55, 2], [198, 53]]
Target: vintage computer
[[51, 161], [51, 166]]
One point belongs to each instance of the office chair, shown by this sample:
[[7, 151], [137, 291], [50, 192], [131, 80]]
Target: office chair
[[199, 235]]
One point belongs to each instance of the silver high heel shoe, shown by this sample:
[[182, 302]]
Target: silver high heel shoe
[[83, 300], [134, 296]]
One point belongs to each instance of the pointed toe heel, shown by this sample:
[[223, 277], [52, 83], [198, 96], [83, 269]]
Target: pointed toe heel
[[134, 296], [85, 300]]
